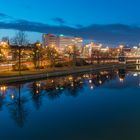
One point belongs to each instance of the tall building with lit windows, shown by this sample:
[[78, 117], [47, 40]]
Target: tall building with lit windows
[[65, 42], [50, 40], [62, 42]]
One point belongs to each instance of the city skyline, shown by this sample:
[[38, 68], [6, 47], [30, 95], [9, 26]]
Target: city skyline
[[70, 69]]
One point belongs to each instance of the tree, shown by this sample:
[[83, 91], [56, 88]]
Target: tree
[[20, 39], [4, 50], [74, 55], [5, 39], [52, 54], [72, 52], [38, 55]]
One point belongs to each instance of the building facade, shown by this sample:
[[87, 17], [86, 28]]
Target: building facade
[[50, 40], [62, 42], [135, 52]]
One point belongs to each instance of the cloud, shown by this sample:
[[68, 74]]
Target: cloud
[[59, 20], [79, 26], [6, 18], [2, 15], [109, 34]]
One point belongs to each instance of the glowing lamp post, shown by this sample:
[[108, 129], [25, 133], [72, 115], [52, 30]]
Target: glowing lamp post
[[37, 52]]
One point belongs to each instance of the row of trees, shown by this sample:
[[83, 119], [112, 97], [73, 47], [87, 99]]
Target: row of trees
[[41, 54]]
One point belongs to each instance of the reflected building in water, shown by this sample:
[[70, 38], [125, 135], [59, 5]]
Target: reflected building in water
[[122, 74]]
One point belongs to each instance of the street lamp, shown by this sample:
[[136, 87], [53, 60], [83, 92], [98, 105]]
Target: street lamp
[[121, 48], [37, 53]]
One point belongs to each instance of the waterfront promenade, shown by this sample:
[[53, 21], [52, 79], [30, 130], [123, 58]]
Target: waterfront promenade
[[12, 77]]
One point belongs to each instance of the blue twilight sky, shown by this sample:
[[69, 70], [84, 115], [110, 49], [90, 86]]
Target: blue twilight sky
[[68, 16], [83, 12]]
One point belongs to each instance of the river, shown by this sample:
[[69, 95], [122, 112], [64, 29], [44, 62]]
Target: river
[[94, 106]]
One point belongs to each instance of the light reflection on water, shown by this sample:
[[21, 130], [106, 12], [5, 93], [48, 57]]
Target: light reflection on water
[[104, 105]]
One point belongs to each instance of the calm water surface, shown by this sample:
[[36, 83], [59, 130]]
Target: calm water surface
[[101, 106]]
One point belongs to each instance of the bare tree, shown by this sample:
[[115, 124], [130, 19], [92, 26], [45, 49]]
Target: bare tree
[[20, 39]]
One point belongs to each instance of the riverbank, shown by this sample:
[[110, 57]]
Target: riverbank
[[14, 77]]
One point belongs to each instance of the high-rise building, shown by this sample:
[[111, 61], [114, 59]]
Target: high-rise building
[[50, 40], [89, 48], [62, 42]]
